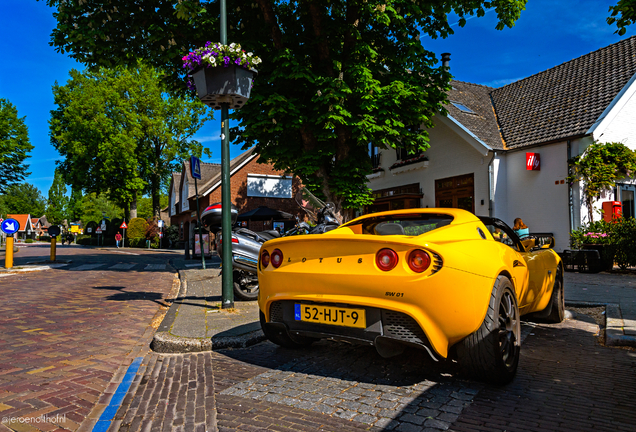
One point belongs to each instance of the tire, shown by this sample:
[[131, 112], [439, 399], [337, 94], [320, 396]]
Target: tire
[[491, 353], [244, 292], [282, 338], [557, 301]]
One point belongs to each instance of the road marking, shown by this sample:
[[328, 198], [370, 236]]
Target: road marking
[[87, 267], [109, 413], [155, 267], [41, 369], [127, 253], [122, 266]]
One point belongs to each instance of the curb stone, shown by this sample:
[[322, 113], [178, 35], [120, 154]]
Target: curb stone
[[614, 324], [166, 343]]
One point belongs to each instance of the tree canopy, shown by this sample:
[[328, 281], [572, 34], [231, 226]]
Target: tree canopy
[[623, 15], [336, 75], [120, 133], [14, 146], [57, 204], [599, 167], [23, 198]]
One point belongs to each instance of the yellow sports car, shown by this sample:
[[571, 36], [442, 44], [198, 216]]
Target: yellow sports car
[[443, 280]]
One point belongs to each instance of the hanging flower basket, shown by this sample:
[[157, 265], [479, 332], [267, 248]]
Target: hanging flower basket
[[221, 74]]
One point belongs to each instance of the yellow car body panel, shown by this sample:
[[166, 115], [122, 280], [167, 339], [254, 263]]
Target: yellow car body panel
[[448, 303]]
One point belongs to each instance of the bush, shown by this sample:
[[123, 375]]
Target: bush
[[137, 228], [172, 234], [45, 238], [617, 238], [28, 241]]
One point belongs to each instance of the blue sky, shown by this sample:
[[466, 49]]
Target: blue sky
[[549, 32]]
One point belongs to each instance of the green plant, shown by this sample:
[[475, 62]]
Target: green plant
[[600, 165], [617, 240], [137, 228], [28, 241], [172, 233]]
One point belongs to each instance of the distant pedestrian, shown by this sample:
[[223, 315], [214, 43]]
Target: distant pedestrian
[[117, 238]]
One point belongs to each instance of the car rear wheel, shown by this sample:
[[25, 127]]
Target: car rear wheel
[[491, 353], [282, 337], [557, 301]]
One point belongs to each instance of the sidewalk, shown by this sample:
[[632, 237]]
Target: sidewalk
[[195, 322]]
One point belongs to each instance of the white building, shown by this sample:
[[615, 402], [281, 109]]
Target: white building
[[479, 152]]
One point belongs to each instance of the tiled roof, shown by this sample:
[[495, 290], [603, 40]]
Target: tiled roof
[[208, 171], [23, 220], [566, 100], [233, 164], [483, 122]]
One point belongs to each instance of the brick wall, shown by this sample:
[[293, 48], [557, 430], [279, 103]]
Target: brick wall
[[241, 200]]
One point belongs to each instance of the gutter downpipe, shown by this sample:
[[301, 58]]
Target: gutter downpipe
[[570, 191], [491, 180]]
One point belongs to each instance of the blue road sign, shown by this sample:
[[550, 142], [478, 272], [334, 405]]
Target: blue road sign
[[195, 167], [10, 226]]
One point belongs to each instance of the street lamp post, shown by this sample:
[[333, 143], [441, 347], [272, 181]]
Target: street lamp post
[[227, 291], [224, 87]]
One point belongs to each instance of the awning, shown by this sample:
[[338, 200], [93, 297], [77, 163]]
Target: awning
[[263, 213]]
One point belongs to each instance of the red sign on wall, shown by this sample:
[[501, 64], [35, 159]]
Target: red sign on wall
[[533, 162]]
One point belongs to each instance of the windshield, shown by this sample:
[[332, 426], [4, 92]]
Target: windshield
[[406, 224], [502, 232]]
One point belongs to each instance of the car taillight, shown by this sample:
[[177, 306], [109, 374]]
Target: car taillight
[[386, 259], [419, 260], [265, 259], [277, 258], [234, 240]]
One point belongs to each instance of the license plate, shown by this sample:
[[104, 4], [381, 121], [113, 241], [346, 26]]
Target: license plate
[[331, 315]]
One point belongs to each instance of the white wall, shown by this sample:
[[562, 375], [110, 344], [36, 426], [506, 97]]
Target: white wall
[[618, 122], [500, 185], [449, 156], [539, 197]]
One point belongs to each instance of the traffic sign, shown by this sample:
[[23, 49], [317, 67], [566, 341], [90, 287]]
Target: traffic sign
[[195, 166], [98, 230], [10, 226], [123, 225]]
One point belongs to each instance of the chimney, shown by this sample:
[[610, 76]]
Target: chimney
[[446, 60]]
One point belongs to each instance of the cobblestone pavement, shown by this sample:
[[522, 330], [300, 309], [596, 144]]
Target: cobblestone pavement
[[66, 332], [566, 382]]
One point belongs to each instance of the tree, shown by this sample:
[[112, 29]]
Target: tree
[[57, 206], [336, 75], [14, 146], [145, 206], [24, 198], [623, 15], [599, 167], [75, 205], [120, 133], [95, 207]]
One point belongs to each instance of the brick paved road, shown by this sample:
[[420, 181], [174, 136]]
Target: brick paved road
[[65, 332], [566, 382]]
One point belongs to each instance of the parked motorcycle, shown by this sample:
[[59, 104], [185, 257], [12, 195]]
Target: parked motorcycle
[[246, 244]]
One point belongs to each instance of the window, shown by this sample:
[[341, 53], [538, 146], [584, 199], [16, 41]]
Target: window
[[375, 156], [403, 154], [173, 202], [269, 186], [462, 107]]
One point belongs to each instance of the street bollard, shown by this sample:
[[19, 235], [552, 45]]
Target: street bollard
[[53, 239], [8, 257]]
